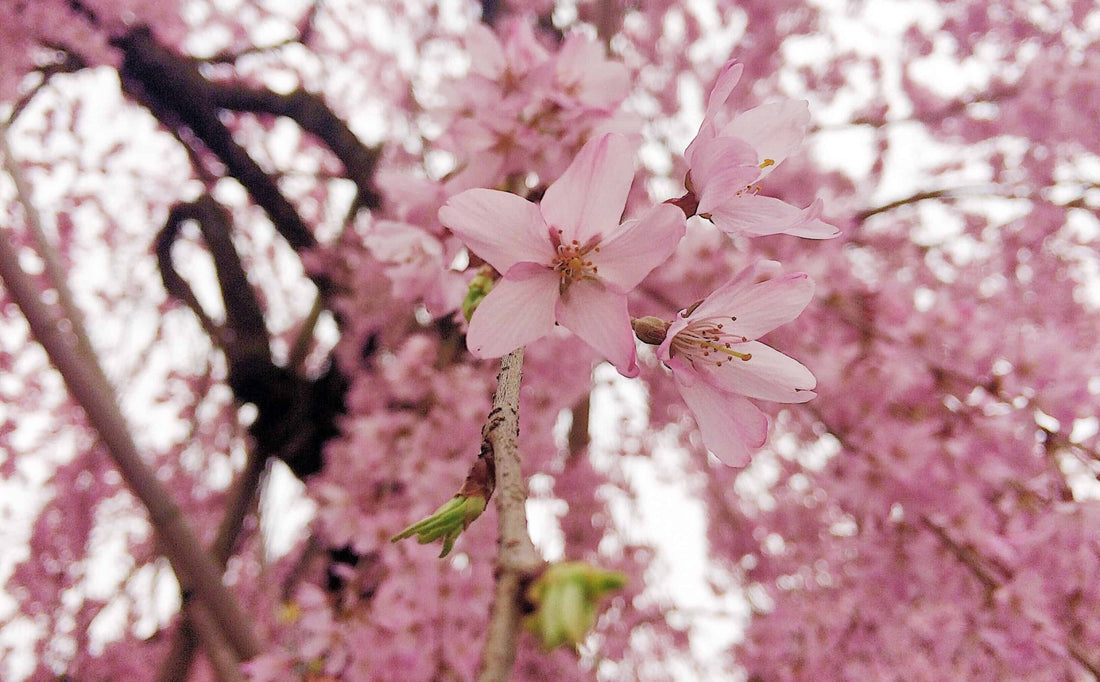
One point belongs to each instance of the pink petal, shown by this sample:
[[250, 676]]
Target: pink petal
[[723, 88], [523, 49], [588, 199], [774, 130], [486, 53], [482, 169], [758, 308], [721, 169], [599, 316], [732, 427], [768, 375], [708, 132], [501, 228], [588, 76], [638, 246], [664, 351], [519, 310], [757, 216], [812, 227]]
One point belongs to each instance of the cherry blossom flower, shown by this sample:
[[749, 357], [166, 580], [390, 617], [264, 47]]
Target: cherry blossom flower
[[731, 154], [414, 262], [566, 260], [523, 109], [715, 360]]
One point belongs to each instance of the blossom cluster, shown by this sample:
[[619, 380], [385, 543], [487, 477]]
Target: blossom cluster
[[524, 109], [931, 515], [569, 261]]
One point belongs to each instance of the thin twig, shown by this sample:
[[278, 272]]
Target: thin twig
[[54, 270], [973, 561], [518, 559], [242, 499]]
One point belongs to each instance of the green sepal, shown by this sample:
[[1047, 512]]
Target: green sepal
[[447, 522], [565, 598]]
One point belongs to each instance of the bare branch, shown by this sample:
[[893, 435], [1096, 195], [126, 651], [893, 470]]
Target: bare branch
[[242, 499], [518, 560], [314, 116], [54, 270], [306, 27], [70, 62], [171, 86]]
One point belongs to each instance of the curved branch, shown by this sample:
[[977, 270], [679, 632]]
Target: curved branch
[[244, 332], [171, 86], [314, 116]]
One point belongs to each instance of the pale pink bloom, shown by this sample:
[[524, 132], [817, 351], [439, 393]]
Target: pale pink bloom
[[585, 77], [416, 264], [509, 61], [715, 360], [566, 260], [733, 152]]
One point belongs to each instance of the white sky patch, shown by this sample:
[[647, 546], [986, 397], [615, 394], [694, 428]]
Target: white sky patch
[[669, 516]]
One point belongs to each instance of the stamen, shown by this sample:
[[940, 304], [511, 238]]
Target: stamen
[[570, 261], [767, 162], [702, 338]]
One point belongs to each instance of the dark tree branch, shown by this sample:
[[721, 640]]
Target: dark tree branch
[[295, 416], [171, 86], [70, 62], [244, 333], [311, 113]]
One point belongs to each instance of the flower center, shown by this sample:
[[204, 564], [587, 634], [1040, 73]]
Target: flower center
[[572, 262], [704, 341]]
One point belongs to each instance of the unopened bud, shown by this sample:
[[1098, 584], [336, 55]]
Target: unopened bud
[[479, 288], [447, 522], [649, 329], [565, 598]]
